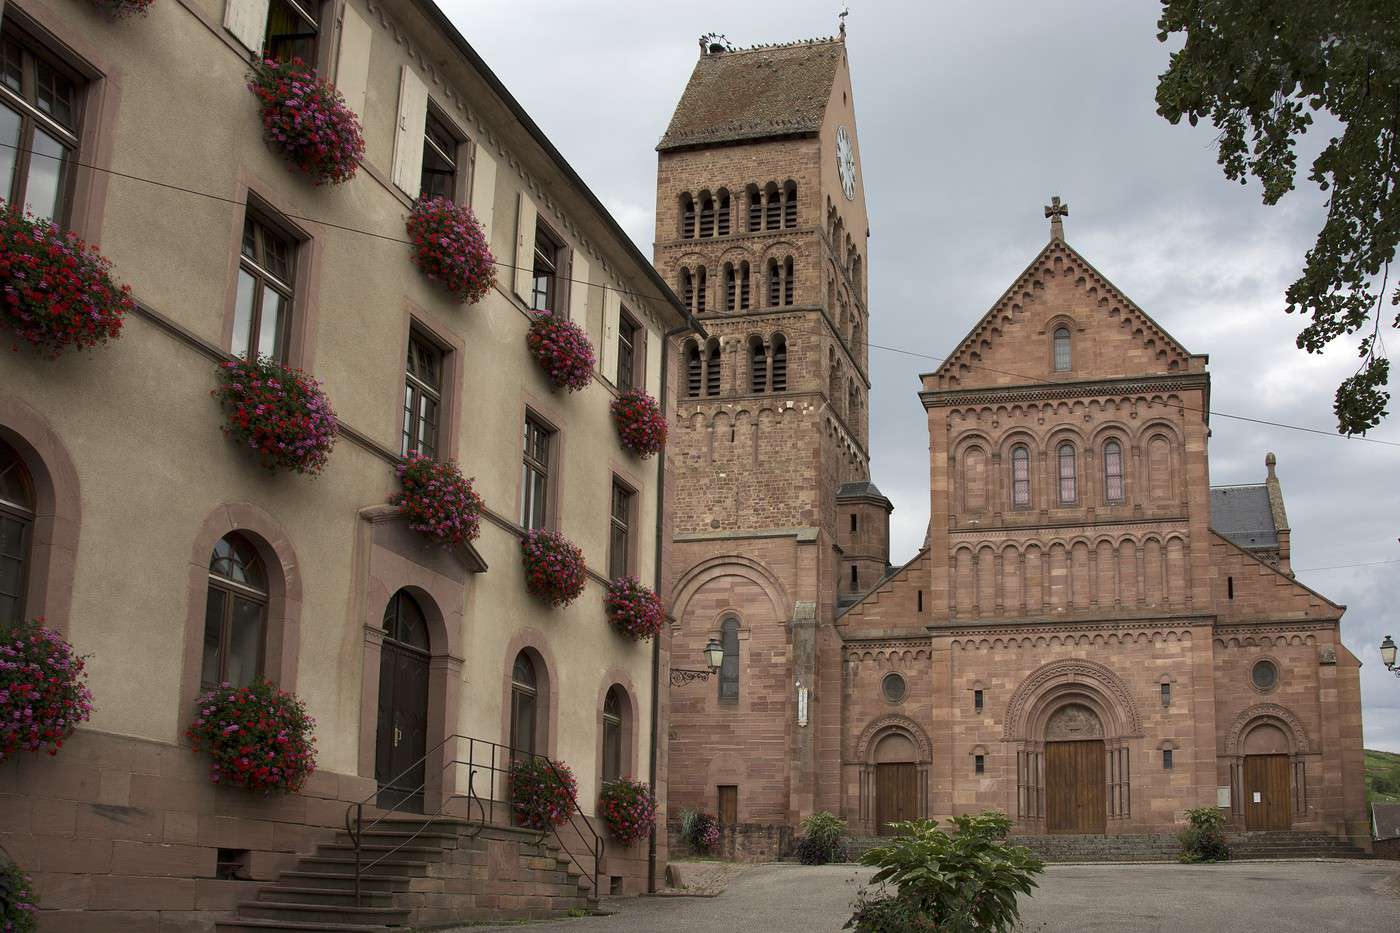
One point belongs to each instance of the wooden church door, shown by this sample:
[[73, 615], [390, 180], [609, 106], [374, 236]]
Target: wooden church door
[[401, 738]]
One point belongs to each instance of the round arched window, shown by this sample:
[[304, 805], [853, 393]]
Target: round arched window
[[235, 614], [1265, 674], [16, 520], [894, 687], [404, 621]]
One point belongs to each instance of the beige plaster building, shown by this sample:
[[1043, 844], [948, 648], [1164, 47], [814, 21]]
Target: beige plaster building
[[120, 488]]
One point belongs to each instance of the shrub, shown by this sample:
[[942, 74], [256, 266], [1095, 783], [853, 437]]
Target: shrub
[[279, 412], [118, 9], [43, 689], [18, 906], [554, 568], [56, 292], [699, 830], [450, 248], [438, 500], [1203, 839], [964, 881], [821, 842], [542, 793], [562, 350], [634, 609], [306, 119], [641, 427], [257, 737], [629, 810]]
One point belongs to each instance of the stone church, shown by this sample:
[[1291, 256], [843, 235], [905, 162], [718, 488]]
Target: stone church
[[1092, 639]]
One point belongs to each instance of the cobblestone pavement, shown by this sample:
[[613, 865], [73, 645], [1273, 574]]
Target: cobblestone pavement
[[1243, 897]]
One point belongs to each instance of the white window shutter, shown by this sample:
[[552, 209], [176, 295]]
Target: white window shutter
[[578, 291], [408, 135], [525, 248], [247, 20], [653, 365], [607, 353], [483, 200], [352, 61]]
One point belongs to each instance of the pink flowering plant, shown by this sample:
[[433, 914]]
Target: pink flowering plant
[[438, 500], [562, 349], [542, 793], [450, 248], [641, 427], [43, 689], [120, 9], [18, 905], [307, 120], [634, 609], [277, 411], [257, 737], [56, 292], [554, 568], [628, 809]]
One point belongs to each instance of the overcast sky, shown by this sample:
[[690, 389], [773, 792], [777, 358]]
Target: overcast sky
[[970, 116]]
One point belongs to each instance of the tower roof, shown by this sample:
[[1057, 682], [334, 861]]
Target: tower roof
[[765, 91]]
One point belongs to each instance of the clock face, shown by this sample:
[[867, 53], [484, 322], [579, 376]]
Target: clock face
[[846, 163]]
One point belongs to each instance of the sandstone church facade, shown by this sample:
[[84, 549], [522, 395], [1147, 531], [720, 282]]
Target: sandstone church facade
[[1092, 638]]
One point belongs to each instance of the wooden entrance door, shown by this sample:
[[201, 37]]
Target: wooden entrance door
[[1266, 797], [401, 739], [896, 795], [1075, 798]]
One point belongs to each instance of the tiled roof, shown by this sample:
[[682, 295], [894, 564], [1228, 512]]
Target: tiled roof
[[862, 488], [1242, 514], [773, 90]]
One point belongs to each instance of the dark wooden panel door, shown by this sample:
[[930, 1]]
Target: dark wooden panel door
[[402, 735], [1075, 797], [1266, 794], [728, 804], [896, 795]]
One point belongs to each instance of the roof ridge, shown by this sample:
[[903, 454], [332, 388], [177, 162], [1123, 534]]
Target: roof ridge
[[769, 46]]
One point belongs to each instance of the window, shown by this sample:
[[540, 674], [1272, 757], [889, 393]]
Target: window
[[524, 703], [707, 216], [405, 623], [773, 215], [422, 397], [729, 667], [235, 614], [39, 103], [1020, 476], [743, 286], [700, 290], [1166, 694], [263, 302], [534, 481], [612, 734], [722, 214], [693, 370], [1113, 472], [755, 211], [779, 378], [1068, 489], [1062, 354], [440, 147], [1167, 759], [788, 281], [712, 371], [687, 217], [292, 30], [979, 764], [758, 366], [919, 601], [16, 520], [731, 290], [727, 798], [853, 523], [855, 579], [1229, 587], [545, 292], [894, 687], [775, 284], [627, 331], [619, 541], [1264, 675], [687, 289], [790, 205], [977, 700]]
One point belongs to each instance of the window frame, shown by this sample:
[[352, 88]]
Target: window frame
[[265, 226], [312, 13], [1021, 485], [417, 390], [622, 556], [729, 675], [521, 694], [545, 468], [33, 118], [614, 728], [552, 256], [1072, 477], [1168, 760], [232, 590], [1056, 346], [23, 515], [628, 332], [448, 129], [1110, 478]]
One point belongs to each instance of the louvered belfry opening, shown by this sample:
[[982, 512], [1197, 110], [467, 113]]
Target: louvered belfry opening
[[758, 366], [722, 215], [788, 283], [712, 370], [779, 377], [775, 285], [730, 287], [692, 370]]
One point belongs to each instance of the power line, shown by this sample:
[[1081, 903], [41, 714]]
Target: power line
[[1372, 563]]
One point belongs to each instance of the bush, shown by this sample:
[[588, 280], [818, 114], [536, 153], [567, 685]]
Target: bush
[[562, 350], [542, 793], [257, 737], [279, 412], [450, 248], [968, 881], [43, 689], [56, 292], [629, 810], [641, 427], [307, 120], [18, 905], [438, 500], [1203, 839], [700, 831], [634, 609], [821, 842], [554, 568]]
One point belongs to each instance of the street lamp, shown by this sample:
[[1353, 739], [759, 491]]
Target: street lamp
[[1388, 655], [714, 656]]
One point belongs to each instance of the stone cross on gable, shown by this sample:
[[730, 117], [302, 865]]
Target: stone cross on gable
[[1056, 211]]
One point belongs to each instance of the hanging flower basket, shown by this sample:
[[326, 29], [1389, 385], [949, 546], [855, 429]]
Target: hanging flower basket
[[641, 427], [307, 120], [628, 809], [257, 737], [450, 248], [279, 412], [120, 9], [562, 350], [56, 292], [43, 689], [554, 568], [438, 500], [633, 609], [542, 793], [18, 905]]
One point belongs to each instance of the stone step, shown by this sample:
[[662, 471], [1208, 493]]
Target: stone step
[[338, 881], [322, 913], [253, 925], [391, 866], [310, 895], [369, 851]]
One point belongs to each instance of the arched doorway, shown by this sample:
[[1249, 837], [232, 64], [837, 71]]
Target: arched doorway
[[896, 782], [1267, 801], [1075, 785], [401, 738]]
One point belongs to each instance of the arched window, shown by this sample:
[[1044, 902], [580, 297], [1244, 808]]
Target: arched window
[[1113, 472], [707, 216], [235, 614], [1069, 489], [700, 290], [731, 287], [755, 210], [790, 205], [16, 524], [743, 286], [758, 366], [687, 289], [855, 272], [855, 335], [1062, 349], [788, 282], [1021, 476], [772, 217], [775, 284], [692, 370], [778, 379], [722, 214], [524, 705], [687, 217], [612, 734], [404, 621], [729, 667], [712, 372]]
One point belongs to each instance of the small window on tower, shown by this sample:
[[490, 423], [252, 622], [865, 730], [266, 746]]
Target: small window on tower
[[1062, 349], [919, 601], [977, 700], [853, 523], [1166, 694], [979, 764], [855, 579], [1167, 759]]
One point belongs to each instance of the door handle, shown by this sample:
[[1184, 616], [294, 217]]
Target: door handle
[[397, 736]]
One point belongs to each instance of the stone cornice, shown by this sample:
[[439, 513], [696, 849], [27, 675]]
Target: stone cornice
[[1052, 391], [862, 644], [1068, 529], [1067, 626], [1270, 626]]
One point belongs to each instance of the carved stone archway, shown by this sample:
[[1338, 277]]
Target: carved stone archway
[[866, 755], [1300, 749]]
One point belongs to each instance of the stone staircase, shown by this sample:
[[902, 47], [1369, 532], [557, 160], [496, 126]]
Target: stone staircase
[[453, 872], [1291, 844]]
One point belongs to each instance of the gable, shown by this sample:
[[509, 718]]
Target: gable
[[1249, 589], [894, 602]]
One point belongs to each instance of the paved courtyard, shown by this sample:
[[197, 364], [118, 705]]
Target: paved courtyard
[[1244, 897]]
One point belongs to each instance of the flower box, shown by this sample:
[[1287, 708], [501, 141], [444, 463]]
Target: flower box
[[562, 350], [641, 427], [257, 737], [554, 568], [634, 610], [542, 793], [279, 412], [437, 500], [450, 248], [307, 120], [43, 689], [628, 808]]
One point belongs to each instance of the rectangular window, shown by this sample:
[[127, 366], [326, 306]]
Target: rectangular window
[[627, 331], [620, 539], [1113, 472], [292, 30], [855, 579], [545, 291], [1166, 694], [853, 523], [534, 480], [977, 700], [263, 303], [919, 601], [979, 764], [1167, 758], [39, 106], [1020, 477], [729, 666], [728, 801], [422, 397], [440, 148]]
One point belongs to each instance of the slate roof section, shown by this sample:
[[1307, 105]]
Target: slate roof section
[[775, 90], [1243, 515]]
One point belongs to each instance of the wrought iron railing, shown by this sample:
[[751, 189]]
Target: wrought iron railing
[[493, 762]]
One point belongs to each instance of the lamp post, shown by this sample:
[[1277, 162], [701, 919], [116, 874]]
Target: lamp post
[[714, 657], [1388, 655]]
